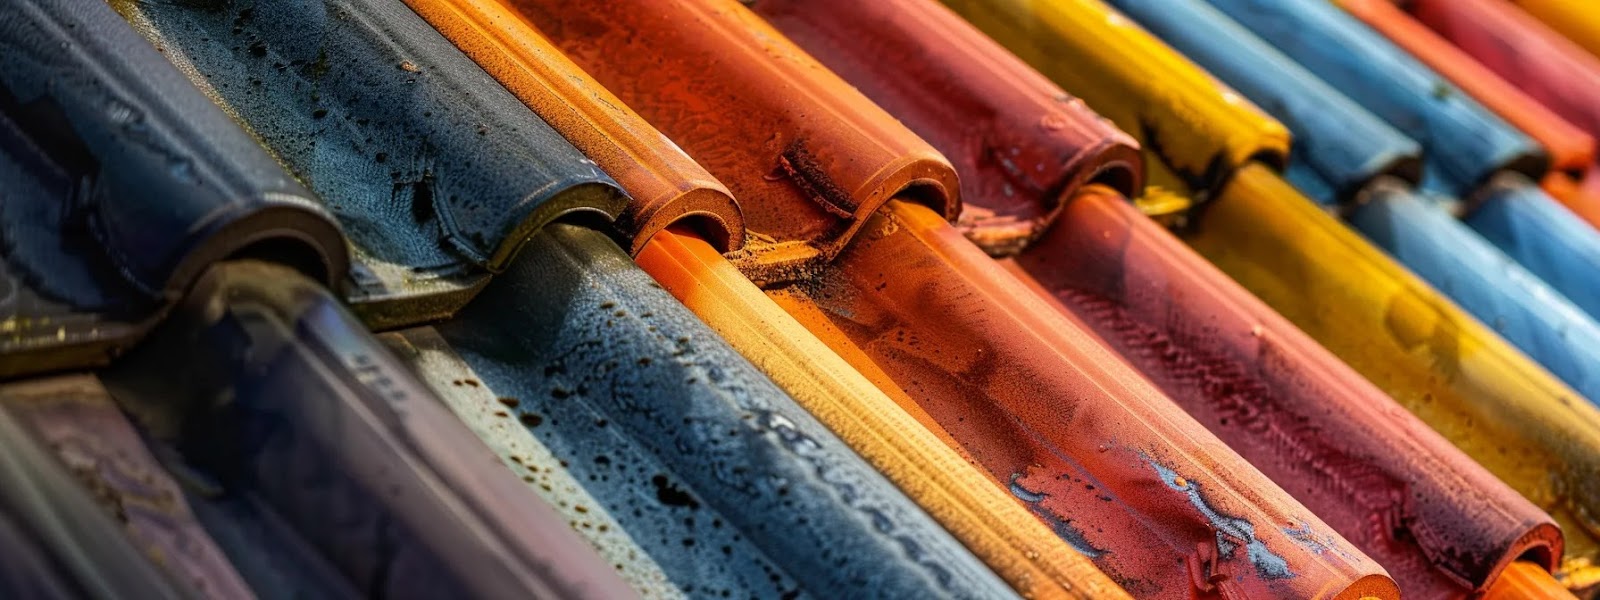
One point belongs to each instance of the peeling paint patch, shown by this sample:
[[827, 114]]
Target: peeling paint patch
[[1231, 531], [1063, 528]]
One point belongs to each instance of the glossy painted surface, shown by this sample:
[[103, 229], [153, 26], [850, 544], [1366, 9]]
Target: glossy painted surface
[[1464, 142], [1248, 375], [123, 183], [978, 513], [1520, 220], [759, 114], [1194, 128], [1019, 142], [1330, 438], [721, 480], [663, 183], [1523, 51], [436, 172], [1189, 518], [1438, 362], [1452, 372], [1526, 581], [1420, 234], [1455, 133], [1570, 148], [1577, 20], [1084, 441], [348, 449], [1339, 146], [886, 427]]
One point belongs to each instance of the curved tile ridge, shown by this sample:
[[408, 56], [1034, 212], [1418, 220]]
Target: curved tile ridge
[[122, 185], [666, 185], [437, 173], [1022, 146], [808, 157]]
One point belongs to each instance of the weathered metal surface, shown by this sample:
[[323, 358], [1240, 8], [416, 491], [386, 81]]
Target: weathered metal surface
[[1455, 133], [1503, 410], [436, 171], [807, 156], [1193, 129], [1020, 143], [1438, 522], [1577, 20], [888, 428], [1452, 372], [1342, 147], [1257, 382], [1465, 144], [665, 185], [1483, 280], [1526, 53], [54, 541], [1520, 220], [284, 396], [1429, 241], [1570, 148], [122, 185], [1098, 453], [722, 480]]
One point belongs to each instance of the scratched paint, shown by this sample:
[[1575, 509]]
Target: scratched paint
[[1121, 284], [1429, 240], [159, 182], [436, 172], [725, 481], [1381, 478], [1052, 415], [1451, 371], [878, 419], [665, 183], [1504, 411], [1231, 531], [616, 31], [1492, 286]]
